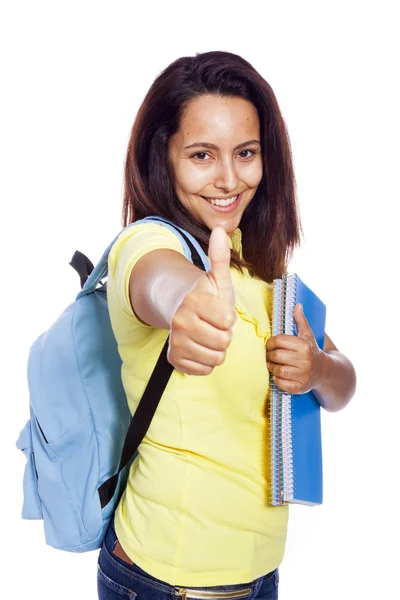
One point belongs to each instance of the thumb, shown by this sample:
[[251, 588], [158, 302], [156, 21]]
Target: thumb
[[303, 328], [219, 255]]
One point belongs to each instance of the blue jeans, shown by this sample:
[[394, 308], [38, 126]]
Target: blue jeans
[[117, 579]]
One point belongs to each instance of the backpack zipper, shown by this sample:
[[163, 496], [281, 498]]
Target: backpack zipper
[[41, 431]]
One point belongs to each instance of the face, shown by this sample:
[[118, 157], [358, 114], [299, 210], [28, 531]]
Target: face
[[216, 159]]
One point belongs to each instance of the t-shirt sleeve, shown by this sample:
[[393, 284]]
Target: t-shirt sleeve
[[132, 245]]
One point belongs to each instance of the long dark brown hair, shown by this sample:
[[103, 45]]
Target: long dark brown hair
[[270, 224]]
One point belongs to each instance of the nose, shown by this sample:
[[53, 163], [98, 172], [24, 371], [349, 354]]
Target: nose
[[226, 176]]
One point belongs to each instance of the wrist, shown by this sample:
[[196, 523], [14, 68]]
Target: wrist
[[323, 369], [173, 298]]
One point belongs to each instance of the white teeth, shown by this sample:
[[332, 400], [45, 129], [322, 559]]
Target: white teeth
[[226, 202]]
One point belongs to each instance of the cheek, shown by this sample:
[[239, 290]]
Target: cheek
[[254, 174], [191, 179], [251, 174]]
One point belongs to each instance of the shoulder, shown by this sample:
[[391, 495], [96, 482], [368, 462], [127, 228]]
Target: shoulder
[[138, 239], [146, 233]]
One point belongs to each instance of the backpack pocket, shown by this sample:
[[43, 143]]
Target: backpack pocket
[[31, 508]]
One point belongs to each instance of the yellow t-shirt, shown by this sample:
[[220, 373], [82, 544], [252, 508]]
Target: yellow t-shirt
[[195, 510]]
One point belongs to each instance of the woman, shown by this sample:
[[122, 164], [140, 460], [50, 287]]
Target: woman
[[210, 152]]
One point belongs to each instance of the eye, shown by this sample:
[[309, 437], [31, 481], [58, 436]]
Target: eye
[[248, 156], [200, 156]]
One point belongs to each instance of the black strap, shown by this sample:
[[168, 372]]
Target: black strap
[[147, 406], [82, 265]]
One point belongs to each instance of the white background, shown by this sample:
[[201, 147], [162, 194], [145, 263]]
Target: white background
[[73, 77]]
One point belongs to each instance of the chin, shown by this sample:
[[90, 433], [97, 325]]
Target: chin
[[228, 223]]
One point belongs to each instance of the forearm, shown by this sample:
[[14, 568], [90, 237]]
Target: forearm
[[338, 381], [158, 284]]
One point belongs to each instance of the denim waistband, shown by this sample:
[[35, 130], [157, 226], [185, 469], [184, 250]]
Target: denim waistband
[[248, 587]]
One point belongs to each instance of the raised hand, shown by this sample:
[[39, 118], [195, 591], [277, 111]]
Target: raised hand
[[296, 362], [201, 327]]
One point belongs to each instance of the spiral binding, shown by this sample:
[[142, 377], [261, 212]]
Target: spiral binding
[[289, 328], [282, 467], [274, 404]]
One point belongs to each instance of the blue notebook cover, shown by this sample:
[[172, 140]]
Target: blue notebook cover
[[296, 435]]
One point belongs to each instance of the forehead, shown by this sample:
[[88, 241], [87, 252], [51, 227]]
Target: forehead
[[209, 117]]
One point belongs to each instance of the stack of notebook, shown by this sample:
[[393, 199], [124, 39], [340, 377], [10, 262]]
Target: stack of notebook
[[295, 420]]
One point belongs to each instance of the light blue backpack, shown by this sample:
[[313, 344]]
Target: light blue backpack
[[80, 439]]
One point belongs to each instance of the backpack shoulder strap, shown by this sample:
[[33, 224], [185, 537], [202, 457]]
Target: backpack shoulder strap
[[192, 248], [147, 406], [187, 241]]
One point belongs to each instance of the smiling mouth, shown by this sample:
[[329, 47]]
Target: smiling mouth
[[222, 201]]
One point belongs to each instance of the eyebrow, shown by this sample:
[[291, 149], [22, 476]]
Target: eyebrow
[[214, 147]]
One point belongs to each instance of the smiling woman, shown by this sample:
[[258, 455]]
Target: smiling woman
[[227, 169], [209, 151], [216, 109]]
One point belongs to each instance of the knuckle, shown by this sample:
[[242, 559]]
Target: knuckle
[[173, 345], [225, 339], [219, 358], [171, 360], [290, 387], [170, 352], [178, 321], [205, 370], [307, 348], [287, 385], [192, 295], [228, 319]]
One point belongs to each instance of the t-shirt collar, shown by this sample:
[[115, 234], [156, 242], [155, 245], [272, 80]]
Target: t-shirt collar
[[235, 242]]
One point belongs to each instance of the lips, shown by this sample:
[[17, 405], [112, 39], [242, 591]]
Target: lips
[[224, 205], [222, 202]]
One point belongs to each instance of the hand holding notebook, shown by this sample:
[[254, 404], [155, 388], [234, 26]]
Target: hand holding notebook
[[294, 416], [295, 361]]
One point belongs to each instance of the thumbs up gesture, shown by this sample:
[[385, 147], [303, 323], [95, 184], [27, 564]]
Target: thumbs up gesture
[[296, 362], [201, 328]]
